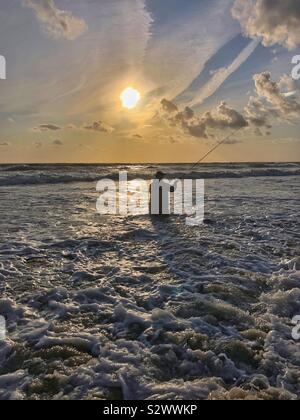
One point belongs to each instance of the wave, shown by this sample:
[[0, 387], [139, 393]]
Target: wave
[[44, 179], [63, 178]]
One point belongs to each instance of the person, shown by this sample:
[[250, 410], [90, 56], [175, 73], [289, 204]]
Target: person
[[160, 190]]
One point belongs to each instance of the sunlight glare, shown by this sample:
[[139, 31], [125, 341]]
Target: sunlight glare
[[130, 97]]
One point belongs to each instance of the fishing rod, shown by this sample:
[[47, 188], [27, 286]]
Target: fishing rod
[[214, 148]]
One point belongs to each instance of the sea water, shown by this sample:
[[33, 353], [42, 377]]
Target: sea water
[[111, 307]]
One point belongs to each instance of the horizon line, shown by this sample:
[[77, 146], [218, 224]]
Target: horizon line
[[149, 163]]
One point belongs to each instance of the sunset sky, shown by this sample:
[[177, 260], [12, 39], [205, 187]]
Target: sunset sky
[[203, 68]]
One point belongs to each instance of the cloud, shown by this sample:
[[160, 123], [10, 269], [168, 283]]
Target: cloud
[[268, 106], [290, 85], [258, 114], [169, 106], [187, 114], [5, 144], [99, 126], [225, 117], [287, 107], [275, 21], [221, 118], [57, 142], [47, 127], [271, 104], [55, 22]]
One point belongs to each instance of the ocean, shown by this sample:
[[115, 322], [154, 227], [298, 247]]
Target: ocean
[[111, 307]]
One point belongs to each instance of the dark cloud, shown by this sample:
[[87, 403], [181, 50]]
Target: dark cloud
[[196, 130], [99, 126], [186, 115], [276, 21], [48, 127], [225, 117], [57, 142], [169, 106], [221, 118], [257, 114]]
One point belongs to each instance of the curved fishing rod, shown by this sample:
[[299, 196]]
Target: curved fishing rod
[[214, 148]]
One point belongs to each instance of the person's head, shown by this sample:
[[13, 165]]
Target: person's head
[[159, 175]]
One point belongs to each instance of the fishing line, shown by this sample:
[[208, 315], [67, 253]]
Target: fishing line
[[214, 148]]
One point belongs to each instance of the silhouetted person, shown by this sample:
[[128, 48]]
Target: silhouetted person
[[160, 195]]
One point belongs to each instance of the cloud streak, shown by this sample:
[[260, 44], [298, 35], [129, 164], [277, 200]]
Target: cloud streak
[[182, 49], [221, 75]]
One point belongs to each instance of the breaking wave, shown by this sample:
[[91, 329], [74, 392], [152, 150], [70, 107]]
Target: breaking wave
[[58, 174]]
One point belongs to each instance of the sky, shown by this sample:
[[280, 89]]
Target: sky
[[204, 69]]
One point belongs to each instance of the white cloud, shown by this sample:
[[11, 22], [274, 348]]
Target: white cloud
[[57, 23], [287, 107], [276, 21], [271, 104]]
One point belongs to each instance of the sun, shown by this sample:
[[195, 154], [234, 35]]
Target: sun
[[130, 98]]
